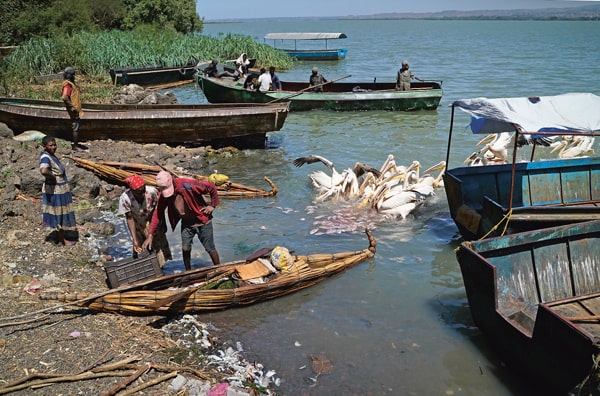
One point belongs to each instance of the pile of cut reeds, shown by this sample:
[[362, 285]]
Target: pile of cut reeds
[[137, 299], [117, 172]]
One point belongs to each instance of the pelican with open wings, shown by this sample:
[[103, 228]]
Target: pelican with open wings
[[337, 185]]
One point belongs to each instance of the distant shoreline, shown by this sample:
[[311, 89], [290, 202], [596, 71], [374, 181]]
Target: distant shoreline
[[582, 13]]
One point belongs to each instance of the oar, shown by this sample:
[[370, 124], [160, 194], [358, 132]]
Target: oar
[[186, 293], [306, 89]]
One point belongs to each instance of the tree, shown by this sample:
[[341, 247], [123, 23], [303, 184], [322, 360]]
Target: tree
[[108, 14], [21, 20], [179, 15]]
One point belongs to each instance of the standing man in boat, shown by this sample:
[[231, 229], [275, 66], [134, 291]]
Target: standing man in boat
[[316, 80], [241, 65], [275, 81], [184, 200], [404, 76], [70, 95], [137, 204]]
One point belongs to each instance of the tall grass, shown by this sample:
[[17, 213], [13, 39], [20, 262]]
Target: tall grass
[[93, 54]]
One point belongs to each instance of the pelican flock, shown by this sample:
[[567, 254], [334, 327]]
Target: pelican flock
[[495, 147], [574, 146], [393, 191]]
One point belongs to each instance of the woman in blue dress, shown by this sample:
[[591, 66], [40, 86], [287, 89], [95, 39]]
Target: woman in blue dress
[[57, 202]]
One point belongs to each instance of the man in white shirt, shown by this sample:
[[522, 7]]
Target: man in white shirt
[[264, 80]]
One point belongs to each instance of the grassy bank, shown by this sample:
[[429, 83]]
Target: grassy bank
[[93, 54]]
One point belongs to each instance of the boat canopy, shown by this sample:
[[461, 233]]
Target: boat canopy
[[304, 36], [570, 112]]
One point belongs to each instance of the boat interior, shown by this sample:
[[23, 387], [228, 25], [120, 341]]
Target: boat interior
[[553, 270]]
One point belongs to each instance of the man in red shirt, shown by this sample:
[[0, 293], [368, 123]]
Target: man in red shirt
[[184, 200]]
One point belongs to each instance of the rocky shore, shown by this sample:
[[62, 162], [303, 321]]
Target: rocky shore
[[102, 350]]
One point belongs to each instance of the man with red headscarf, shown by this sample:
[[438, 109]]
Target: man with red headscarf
[[183, 199], [137, 203]]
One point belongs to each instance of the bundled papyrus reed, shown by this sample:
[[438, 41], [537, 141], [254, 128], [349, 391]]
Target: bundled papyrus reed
[[117, 172], [147, 297]]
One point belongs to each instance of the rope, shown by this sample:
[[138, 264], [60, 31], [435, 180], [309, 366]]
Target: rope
[[495, 227], [506, 218]]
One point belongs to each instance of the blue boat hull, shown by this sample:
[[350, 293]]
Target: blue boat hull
[[329, 54], [546, 193]]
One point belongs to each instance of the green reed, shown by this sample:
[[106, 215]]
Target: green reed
[[93, 54]]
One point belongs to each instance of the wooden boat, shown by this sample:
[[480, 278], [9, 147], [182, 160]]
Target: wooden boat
[[339, 96], [536, 297], [227, 66], [496, 199], [241, 125], [7, 50], [217, 287], [153, 75], [302, 43], [117, 172]]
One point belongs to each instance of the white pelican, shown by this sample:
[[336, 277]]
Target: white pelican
[[399, 173], [497, 146], [430, 180], [577, 148], [398, 199], [343, 184], [474, 159], [394, 176], [388, 167]]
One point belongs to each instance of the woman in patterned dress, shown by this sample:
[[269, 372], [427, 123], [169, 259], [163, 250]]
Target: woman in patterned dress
[[57, 202]]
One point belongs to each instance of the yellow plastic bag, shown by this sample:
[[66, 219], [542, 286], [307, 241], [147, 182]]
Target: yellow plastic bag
[[218, 178], [281, 258]]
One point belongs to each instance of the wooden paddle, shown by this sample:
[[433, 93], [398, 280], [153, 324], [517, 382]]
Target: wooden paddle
[[308, 88], [188, 292]]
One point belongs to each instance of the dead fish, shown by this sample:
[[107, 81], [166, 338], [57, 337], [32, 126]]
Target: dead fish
[[29, 136]]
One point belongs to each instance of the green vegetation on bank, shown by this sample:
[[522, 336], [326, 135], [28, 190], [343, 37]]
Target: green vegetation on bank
[[92, 54], [21, 20], [95, 36]]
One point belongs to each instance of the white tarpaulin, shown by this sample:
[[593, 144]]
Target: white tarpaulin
[[571, 112]]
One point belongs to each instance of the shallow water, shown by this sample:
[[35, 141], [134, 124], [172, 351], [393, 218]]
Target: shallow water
[[398, 323]]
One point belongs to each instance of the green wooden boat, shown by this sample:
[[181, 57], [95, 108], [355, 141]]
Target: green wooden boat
[[339, 96]]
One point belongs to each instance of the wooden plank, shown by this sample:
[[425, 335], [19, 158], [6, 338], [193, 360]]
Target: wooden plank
[[575, 185], [586, 264], [553, 272], [515, 274], [544, 188]]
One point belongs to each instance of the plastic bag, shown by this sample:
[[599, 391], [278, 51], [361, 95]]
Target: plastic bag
[[281, 258]]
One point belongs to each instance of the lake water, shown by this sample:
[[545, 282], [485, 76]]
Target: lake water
[[398, 324]]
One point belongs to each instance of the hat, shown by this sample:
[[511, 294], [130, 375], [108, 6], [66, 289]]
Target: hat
[[405, 62], [314, 69], [164, 181], [135, 181]]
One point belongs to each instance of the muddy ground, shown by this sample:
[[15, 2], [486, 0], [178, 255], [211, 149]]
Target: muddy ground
[[76, 345]]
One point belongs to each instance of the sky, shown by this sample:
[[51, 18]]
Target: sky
[[238, 9]]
